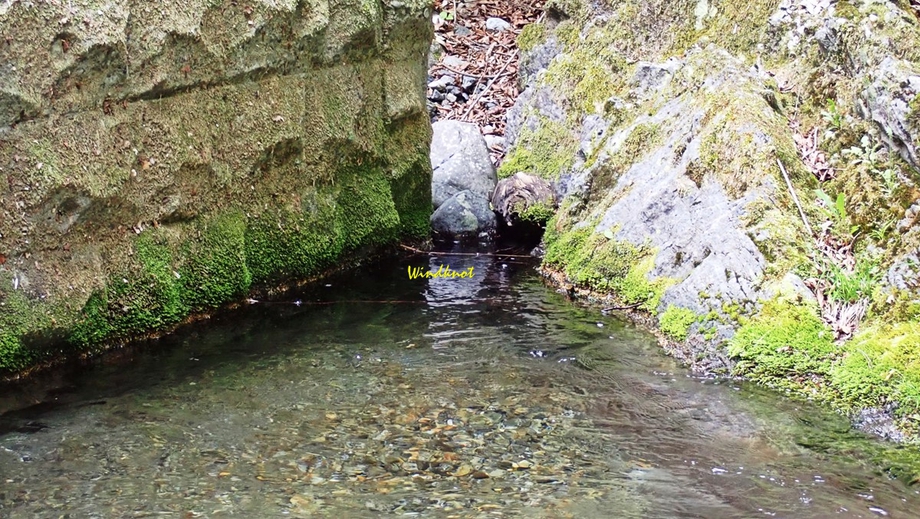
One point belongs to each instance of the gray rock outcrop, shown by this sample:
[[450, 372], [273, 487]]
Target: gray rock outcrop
[[888, 99]]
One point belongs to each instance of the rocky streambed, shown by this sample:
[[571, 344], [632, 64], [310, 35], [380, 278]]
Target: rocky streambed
[[374, 396]]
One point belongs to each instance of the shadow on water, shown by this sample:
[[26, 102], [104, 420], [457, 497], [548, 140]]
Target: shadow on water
[[371, 394]]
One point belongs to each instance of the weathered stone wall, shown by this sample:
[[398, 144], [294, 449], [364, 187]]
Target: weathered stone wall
[[163, 158]]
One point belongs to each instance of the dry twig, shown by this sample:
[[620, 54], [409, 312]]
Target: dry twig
[[475, 100], [795, 198]]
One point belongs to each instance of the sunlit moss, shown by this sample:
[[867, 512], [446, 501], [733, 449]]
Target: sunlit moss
[[675, 322], [544, 152], [783, 344], [880, 366], [588, 74], [531, 36], [538, 213], [603, 264]]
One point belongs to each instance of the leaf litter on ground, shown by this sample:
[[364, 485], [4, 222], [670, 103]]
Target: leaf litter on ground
[[487, 59]]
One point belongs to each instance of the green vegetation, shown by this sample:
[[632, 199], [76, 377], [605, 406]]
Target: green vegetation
[[675, 322], [531, 36], [215, 269], [836, 209], [544, 152], [604, 264], [576, 9], [230, 255], [787, 346], [148, 297], [832, 115], [743, 129], [851, 286], [19, 322], [589, 73], [881, 365], [783, 345], [217, 261], [538, 213], [412, 199]]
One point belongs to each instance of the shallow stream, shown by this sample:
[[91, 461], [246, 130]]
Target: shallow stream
[[485, 397]]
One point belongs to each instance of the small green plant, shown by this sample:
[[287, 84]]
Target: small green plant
[[832, 115], [880, 233], [889, 180], [866, 153], [675, 322], [836, 208], [849, 286], [873, 158]]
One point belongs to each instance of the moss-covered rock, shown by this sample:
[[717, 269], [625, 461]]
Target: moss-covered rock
[[601, 263], [161, 160], [546, 151], [681, 133]]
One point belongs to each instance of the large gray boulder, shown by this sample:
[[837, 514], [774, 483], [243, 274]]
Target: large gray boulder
[[464, 215], [460, 160]]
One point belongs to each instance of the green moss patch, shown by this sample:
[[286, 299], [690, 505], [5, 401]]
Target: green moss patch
[[880, 366], [576, 9], [538, 213], [604, 264], [283, 245], [215, 269], [148, 296], [365, 209], [675, 322], [785, 345], [544, 152], [590, 72], [412, 200], [531, 36], [20, 321], [226, 256]]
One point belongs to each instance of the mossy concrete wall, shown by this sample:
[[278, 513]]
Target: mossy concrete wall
[[159, 159]]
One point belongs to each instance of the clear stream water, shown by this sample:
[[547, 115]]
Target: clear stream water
[[489, 397]]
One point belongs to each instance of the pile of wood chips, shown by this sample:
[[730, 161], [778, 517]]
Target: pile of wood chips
[[488, 57]]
